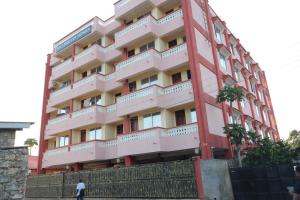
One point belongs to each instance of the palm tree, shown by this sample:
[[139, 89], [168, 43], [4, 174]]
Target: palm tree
[[30, 142]]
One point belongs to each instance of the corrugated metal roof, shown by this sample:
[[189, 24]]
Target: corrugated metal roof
[[15, 125]]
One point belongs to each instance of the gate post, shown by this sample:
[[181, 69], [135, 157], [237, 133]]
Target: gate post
[[197, 168]]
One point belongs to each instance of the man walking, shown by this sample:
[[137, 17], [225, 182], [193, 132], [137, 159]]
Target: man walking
[[80, 190]]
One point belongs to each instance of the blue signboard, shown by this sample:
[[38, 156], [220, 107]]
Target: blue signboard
[[74, 39]]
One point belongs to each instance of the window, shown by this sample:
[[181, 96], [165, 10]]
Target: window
[[116, 96], [176, 78], [84, 74], [172, 43], [169, 11], [237, 74], [232, 49], [193, 115], [63, 141], [180, 117], [152, 80], [247, 127], [130, 53], [147, 46], [134, 125], [95, 100], [119, 129], [99, 42], [260, 95], [256, 75], [82, 135], [96, 69], [189, 76], [95, 134], [261, 133], [65, 83], [63, 110], [265, 116], [222, 61], [218, 34], [152, 120], [252, 85], [242, 102], [132, 86], [248, 65], [233, 119], [257, 110]]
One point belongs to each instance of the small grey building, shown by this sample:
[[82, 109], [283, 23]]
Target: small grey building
[[8, 131]]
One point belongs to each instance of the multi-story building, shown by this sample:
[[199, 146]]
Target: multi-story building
[[141, 87]]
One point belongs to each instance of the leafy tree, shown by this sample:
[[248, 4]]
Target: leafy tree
[[294, 139], [30, 142], [268, 152], [236, 132], [230, 94]]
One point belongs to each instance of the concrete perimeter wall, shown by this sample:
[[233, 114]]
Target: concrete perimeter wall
[[216, 180]]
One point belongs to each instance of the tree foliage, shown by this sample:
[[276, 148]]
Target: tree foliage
[[268, 152], [294, 139], [30, 142], [230, 94]]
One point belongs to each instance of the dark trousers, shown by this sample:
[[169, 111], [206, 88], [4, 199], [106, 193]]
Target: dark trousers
[[79, 198]]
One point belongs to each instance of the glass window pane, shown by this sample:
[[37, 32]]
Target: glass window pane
[[98, 134], [223, 62], [98, 100], [151, 45], [147, 121], [156, 120], [66, 140], [91, 134], [193, 116], [153, 80], [61, 141], [143, 48]]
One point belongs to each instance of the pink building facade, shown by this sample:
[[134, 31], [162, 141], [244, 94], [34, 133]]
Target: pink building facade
[[141, 87]]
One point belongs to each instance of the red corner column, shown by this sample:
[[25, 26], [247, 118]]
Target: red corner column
[[44, 120], [206, 152]]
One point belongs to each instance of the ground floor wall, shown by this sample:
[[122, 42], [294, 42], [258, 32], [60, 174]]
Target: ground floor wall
[[163, 180], [13, 172]]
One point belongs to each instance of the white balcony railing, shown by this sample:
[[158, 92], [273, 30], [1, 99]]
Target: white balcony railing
[[53, 152], [181, 130], [61, 65], [141, 135], [170, 17], [60, 91], [59, 119], [121, 3], [139, 94], [150, 52], [177, 88], [84, 111], [173, 50]]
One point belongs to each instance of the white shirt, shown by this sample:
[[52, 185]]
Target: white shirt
[[80, 186]]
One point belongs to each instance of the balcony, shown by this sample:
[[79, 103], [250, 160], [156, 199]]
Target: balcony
[[155, 97], [152, 60], [149, 27], [155, 140], [95, 82], [92, 54], [84, 35], [83, 117]]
